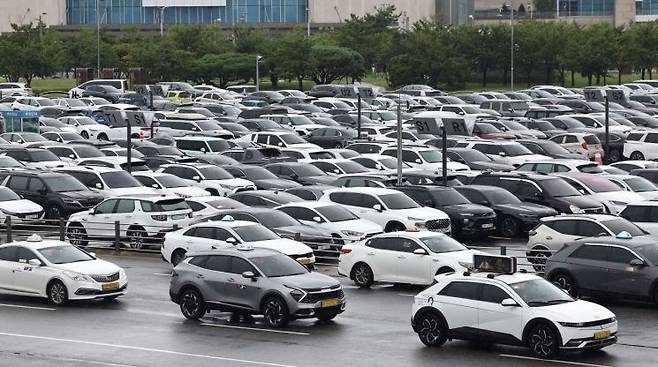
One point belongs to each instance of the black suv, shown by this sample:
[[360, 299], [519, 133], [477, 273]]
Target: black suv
[[59, 194], [466, 218], [542, 189]]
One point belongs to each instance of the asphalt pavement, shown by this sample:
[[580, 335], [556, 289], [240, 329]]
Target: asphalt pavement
[[145, 328]]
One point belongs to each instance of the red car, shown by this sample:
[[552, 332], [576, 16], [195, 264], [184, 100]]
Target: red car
[[488, 131]]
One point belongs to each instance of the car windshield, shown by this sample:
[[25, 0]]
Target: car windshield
[[64, 254], [336, 213], [8, 162], [442, 243], [208, 125], [218, 145], [292, 139], [498, 197], [543, 125], [449, 197], [473, 155], [487, 128], [558, 188], [351, 167], [8, 195], [301, 120], [398, 201], [619, 225], [85, 121], [640, 184], [258, 173], [215, 173], [88, 152], [599, 184], [276, 219], [171, 181], [255, 233], [649, 251], [278, 265], [305, 170], [119, 180], [540, 292], [167, 150], [387, 115], [431, 156], [390, 163], [64, 183], [514, 150], [41, 156]]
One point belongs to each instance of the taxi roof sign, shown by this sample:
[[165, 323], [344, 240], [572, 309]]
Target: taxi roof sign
[[623, 235], [227, 218], [494, 264], [34, 238]]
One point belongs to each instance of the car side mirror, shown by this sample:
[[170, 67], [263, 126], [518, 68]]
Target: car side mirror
[[155, 186], [71, 156], [249, 275], [317, 219], [378, 207], [508, 302], [420, 251], [34, 262], [203, 149], [197, 178], [92, 254], [637, 262], [231, 240], [417, 160], [280, 144], [98, 185], [502, 154]]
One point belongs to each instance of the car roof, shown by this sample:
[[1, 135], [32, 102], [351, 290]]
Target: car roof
[[270, 194], [610, 240], [225, 223], [96, 169], [521, 175], [479, 187], [366, 190], [505, 278], [253, 252], [595, 217], [36, 245]]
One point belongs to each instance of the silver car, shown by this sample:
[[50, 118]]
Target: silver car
[[250, 281]]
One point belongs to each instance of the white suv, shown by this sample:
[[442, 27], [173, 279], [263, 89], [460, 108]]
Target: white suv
[[107, 181], [517, 309], [424, 158], [641, 145], [279, 140], [213, 179], [300, 123], [141, 219], [167, 184], [391, 209]]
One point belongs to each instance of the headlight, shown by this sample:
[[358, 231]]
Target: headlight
[[572, 324], [618, 203], [71, 201], [416, 219], [528, 216], [466, 265], [77, 276], [575, 209], [296, 293], [352, 233], [122, 274]]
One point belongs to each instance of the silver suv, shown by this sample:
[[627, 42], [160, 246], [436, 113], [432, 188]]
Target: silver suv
[[251, 281]]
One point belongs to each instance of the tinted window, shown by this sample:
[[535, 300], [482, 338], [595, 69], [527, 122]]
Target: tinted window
[[25, 255], [590, 229], [106, 207], [637, 214], [8, 254], [218, 263], [493, 294], [382, 243], [36, 185], [591, 252], [566, 227], [125, 206], [619, 225], [620, 255], [466, 290], [18, 183], [406, 245], [239, 266]]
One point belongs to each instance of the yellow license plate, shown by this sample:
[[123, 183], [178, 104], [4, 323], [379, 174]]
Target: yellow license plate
[[601, 334], [329, 302], [110, 286], [304, 261]]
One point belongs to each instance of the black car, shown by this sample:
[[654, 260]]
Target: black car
[[541, 189], [258, 125], [311, 193], [513, 215], [264, 198], [304, 173], [324, 90], [466, 218], [433, 178], [257, 156], [255, 113], [650, 174], [365, 180], [262, 178], [332, 137], [107, 92], [616, 142], [548, 148], [476, 160], [58, 193], [268, 95], [235, 128]]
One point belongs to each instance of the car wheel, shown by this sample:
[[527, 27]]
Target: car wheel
[[177, 257], [275, 311], [326, 315], [431, 330], [615, 155], [565, 282], [338, 146], [637, 156], [543, 342], [102, 137], [136, 236], [84, 134], [57, 293], [394, 227], [54, 212], [77, 235], [509, 227], [362, 275], [192, 305]]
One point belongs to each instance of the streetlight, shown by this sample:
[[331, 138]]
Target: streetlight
[[308, 18], [258, 58], [162, 9], [98, 40], [511, 21]]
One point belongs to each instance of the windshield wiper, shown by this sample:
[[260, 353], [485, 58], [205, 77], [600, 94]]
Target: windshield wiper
[[537, 303], [558, 301]]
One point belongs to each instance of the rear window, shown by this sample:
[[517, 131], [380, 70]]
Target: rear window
[[634, 136], [591, 139], [590, 168], [164, 205]]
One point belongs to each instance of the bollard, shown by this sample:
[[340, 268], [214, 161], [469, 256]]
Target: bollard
[[503, 250], [9, 239], [117, 236], [62, 230]]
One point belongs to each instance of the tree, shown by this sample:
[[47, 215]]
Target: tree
[[330, 63], [292, 56], [226, 67]]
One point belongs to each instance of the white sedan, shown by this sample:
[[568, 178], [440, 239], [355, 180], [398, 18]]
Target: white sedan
[[57, 271], [403, 257], [12, 205]]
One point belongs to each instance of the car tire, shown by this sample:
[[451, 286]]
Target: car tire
[[85, 135], [637, 156], [102, 136], [566, 282], [177, 256], [326, 315], [539, 257], [54, 212], [362, 275], [275, 311], [57, 293], [615, 155], [431, 330], [394, 227], [77, 235], [509, 227], [191, 304], [338, 146], [136, 237], [543, 342]]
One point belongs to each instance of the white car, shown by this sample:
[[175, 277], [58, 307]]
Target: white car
[[335, 218], [587, 145], [403, 257], [598, 187], [300, 123], [87, 127], [506, 152], [338, 167], [226, 233], [15, 89], [12, 205], [37, 158], [207, 206], [391, 209], [32, 103], [424, 158], [215, 180], [167, 184], [141, 219], [279, 140], [560, 165], [518, 309], [108, 181], [384, 164], [57, 271], [636, 184], [641, 145]]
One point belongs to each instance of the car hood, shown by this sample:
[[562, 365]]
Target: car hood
[[582, 202], [274, 183], [309, 281], [467, 208], [303, 230], [139, 190], [20, 206], [422, 213], [232, 182], [92, 267], [577, 311], [81, 195], [528, 208], [484, 165], [284, 245], [318, 180]]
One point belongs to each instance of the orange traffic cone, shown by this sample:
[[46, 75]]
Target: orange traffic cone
[[598, 158]]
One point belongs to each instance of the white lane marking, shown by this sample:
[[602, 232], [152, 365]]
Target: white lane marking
[[153, 313], [162, 274], [87, 361], [573, 363], [144, 349], [406, 295], [256, 329], [28, 307]]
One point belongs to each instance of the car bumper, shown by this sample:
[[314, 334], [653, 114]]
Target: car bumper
[[589, 343], [87, 292], [588, 337], [306, 311], [477, 225]]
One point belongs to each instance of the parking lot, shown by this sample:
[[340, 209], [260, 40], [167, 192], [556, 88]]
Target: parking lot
[[145, 328]]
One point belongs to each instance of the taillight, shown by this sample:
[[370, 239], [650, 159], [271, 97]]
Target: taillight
[[584, 145], [159, 217], [345, 250]]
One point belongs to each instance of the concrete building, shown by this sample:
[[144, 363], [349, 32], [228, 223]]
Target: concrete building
[[52, 12]]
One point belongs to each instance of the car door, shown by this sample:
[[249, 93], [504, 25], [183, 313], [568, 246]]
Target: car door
[[412, 268], [19, 185], [240, 291], [101, 221], [27, 278], [202, 238], [8, 261], [588, 265], [458, 301], [212, 276], [381, 258], [624, 278], [571, 144], [498, 323]]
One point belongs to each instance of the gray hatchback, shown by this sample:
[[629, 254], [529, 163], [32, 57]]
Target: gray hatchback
[[252, 281]]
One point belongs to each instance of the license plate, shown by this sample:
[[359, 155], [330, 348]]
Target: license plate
[[178, 216], [324, 247], [110, 286], [32, 216], [304, 261], [601, 334], [329, 302], [487, 225]]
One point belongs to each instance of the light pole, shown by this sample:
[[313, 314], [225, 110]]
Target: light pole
[[511, 22], [98, 40], [308, 18], [162, 9], [258, 58]]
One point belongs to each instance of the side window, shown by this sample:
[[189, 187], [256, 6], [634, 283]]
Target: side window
[[125, 206], [325, 167], [368, 163], [637, 214], [474, 197], [405, 245], [239, 266], [275, 140], [222, 234], [186, 172], [620, 255], [87, 178], [305, 214], [18, 183], [147, 181], [382, 243], [261, 139], [560, 168], [591, 252], [24, 255], [544, 168], [9, 253], [570, 139], [367, 201], [218, 263], [205, 232], [340, 198], [409, 156], [566, 227], [195, 206], [493, 294], [36, 185], [590, 229], [465, 290], [526, 189], [106, 207], [651, 138], [420, 196]]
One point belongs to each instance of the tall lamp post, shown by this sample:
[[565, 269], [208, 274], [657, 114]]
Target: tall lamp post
[[258, 58], [504, 8], [162, 10], [98, 40]]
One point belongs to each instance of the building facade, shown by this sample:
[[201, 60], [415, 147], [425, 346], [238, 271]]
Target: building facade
[[51, 12]]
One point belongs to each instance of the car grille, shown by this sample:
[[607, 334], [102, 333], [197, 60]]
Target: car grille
[[598, 322], [594, 210], [478, 215], [436, 225], [106, 278], [90, 202], [319, 296], [25, 215]]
